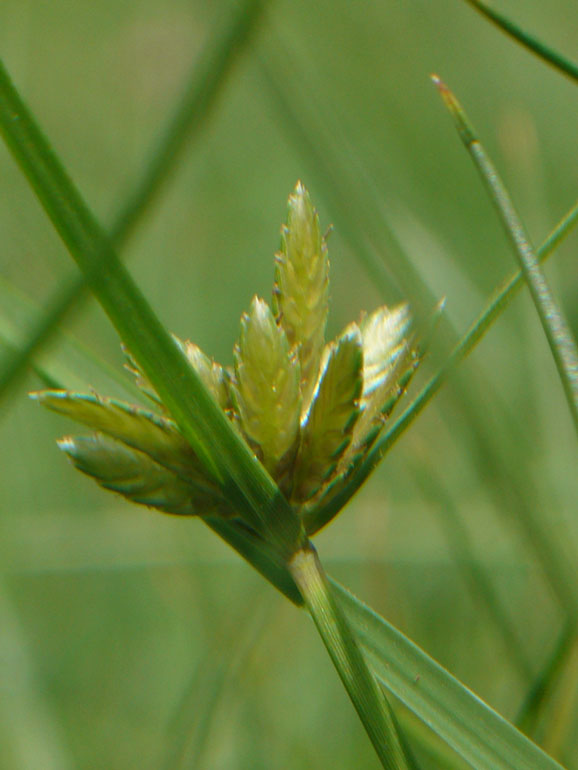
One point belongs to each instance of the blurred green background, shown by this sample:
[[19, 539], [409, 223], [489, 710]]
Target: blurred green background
[[122, 630]]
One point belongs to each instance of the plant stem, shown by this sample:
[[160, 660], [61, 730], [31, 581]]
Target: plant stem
[[366, 695], [562, 344], [545, 52]]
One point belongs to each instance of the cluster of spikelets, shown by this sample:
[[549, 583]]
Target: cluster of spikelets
[[308, 410]]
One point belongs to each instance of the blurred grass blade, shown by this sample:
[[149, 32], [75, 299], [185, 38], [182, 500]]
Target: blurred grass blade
[[475, 574], [530, 42], [557, 331], [203, 423], [341, 644], [542, 688], [70, 360], [476, 732], [31, 736], [208, 78], [214, 676], [499, 300]]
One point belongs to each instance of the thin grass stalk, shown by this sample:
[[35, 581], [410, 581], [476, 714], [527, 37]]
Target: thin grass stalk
[[529, 41], [333, 627], [222, 451], [207, 81], [499, 300], [557, 331]]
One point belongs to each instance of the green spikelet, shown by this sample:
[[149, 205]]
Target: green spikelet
[[386, 354], [328, 427], [266, 390], [301, 288], [136, 476], [156, 436], [213, 375]]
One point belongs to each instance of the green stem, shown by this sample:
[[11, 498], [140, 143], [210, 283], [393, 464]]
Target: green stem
[[366, 695], [557, 331], [530, 42]]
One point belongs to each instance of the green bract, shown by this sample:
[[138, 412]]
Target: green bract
[[308, 410]]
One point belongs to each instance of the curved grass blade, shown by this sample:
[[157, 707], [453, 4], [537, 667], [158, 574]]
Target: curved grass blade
[[472, 729], [208, 78], [545, 52], [557, 331], [203, 423]]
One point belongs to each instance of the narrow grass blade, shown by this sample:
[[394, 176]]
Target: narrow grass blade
[[557, 331], [472, 729], [368, 699], [208, 78], [203, 423], [545, 52], [499, 300]]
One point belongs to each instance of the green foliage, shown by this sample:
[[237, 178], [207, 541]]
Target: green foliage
[[93, 595]]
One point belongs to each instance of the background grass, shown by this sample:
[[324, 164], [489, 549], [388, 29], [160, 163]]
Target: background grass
[[119, 628]]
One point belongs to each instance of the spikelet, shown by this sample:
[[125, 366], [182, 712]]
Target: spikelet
[[156, 436], [137, 477], [301, 288], [328, 426], [266, 390], [212, 374], [386, 353]]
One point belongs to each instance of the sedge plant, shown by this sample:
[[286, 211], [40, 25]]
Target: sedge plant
[[202, 447], [308, 412]]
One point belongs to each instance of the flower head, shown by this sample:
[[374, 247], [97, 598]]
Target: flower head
[[309, 410]]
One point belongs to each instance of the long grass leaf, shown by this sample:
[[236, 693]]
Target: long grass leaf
[[557, 331], [476, 732], [206, 83], [203, 423], [529, 41]]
